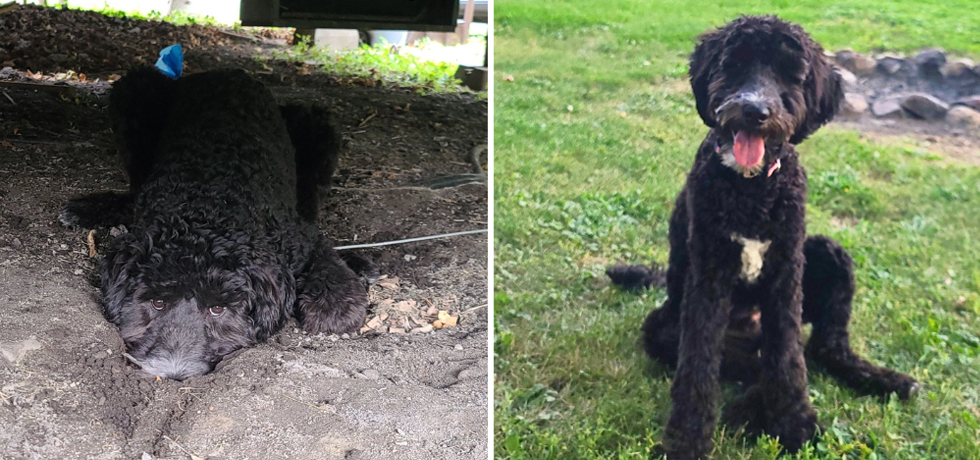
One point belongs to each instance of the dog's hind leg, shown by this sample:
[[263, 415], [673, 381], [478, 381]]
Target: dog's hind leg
[[330, 296], [828, 286], [317, 144], [139, 107]]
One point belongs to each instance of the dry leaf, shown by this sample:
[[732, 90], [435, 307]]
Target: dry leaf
[[90, 239], [405, 306], [396, 330], [509, 78], [438, 324], [390, 284], [423, 329], [446, 319], [374, 322]]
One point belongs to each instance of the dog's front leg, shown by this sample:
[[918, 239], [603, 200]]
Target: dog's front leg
[[783, 383], [704, 317], [330, 296]]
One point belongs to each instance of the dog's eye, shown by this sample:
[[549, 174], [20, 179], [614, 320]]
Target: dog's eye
[[158, 304], [216, 311]]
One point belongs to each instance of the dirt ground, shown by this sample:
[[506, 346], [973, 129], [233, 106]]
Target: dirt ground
[[67, 393]]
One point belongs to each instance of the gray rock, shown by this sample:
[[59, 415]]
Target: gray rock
[[925, 106], [958, 67], [844, 58], [854, 104], [847, 78], [890, 107], [858, 63], [15, 351], [972, 102], [930, 62], [7, 72], [890, 65], [963, 116], [863, 65]]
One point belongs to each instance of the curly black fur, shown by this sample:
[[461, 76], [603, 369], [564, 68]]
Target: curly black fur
[[742, 274], [224, 246]]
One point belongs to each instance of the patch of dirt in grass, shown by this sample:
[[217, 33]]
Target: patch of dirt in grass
[[953, 144]]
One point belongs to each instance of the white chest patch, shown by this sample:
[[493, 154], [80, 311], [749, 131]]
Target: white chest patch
[[753, 256]]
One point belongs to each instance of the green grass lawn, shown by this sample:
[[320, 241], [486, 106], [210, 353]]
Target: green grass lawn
[[594, 137]]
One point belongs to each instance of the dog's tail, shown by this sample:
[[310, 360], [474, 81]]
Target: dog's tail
[[636, 277]]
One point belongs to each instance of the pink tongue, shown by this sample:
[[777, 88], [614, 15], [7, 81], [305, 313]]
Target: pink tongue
[[748, 149]]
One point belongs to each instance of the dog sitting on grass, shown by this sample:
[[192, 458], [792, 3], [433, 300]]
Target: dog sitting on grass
[[224, 246], [742, 274]]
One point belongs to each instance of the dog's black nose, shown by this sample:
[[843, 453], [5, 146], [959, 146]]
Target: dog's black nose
[[755, 113]]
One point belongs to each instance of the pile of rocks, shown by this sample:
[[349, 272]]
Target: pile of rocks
[[928, 86]]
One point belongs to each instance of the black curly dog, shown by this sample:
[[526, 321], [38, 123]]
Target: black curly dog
[[742, 274], [224, 245]]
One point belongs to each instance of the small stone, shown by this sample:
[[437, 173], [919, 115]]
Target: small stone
[[958, 68], [116, 231], [888, 108], [146, 456], [972, 102], [16, 243], [844, 58], [963, 116], [15, 351], [78, 271], [345, 336], [854, 104], [931, 62], [458, 347], [369, 374], [863, 65], [925, 106], [847, 78], [890, 65], [409, 257], [100, 355]]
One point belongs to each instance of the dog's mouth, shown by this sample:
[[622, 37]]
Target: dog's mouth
[[748, 148], [743, 150]]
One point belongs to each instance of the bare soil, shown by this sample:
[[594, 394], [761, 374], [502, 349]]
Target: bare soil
[[373, 395]]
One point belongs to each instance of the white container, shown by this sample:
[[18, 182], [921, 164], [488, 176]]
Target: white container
[[391, 37]]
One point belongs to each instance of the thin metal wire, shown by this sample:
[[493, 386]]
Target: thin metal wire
[[410, 240]]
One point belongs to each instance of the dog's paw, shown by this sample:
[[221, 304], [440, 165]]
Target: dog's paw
[[794, 428], [331, 314], [747, 411], [107, 209]]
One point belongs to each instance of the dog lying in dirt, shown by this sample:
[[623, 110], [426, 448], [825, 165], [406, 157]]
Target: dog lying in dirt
[[224, 245], [743, 275]]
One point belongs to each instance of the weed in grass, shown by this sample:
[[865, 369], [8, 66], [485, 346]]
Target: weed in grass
[[380, 61]]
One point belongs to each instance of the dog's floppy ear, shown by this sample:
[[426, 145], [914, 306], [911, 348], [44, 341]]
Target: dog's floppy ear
[[116, 273], [704, 60], [275, 293], [823, 94]]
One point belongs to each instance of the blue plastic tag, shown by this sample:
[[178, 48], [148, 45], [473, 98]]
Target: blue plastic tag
[[171, 61]]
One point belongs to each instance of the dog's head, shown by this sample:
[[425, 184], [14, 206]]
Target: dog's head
[[184, 298], [761, 82]]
